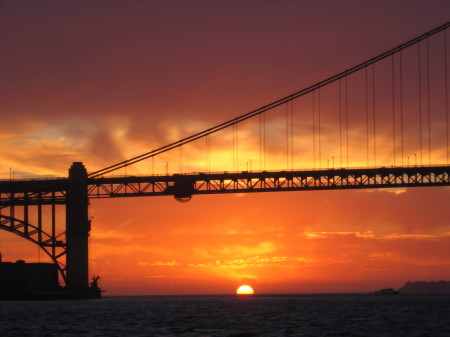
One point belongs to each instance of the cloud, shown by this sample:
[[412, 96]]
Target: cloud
[[261, 248], [158, 264], [255, 262], [372, 235]]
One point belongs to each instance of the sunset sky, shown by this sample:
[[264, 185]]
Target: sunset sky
[[102, 81]]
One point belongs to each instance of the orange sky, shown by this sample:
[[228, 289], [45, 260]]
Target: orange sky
[[98, 84]]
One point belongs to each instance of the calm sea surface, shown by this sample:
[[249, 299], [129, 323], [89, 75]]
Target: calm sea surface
[[263, 315]]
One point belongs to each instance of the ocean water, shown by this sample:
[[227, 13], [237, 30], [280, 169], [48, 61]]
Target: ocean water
[[258, 315]]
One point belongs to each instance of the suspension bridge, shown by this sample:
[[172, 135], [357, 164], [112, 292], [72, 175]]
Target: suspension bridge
[[383, 123]]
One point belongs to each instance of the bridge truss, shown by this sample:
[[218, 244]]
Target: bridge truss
[[186, 185], [32, 198]]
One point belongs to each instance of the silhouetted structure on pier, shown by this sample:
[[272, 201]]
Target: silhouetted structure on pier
[[22, 280]]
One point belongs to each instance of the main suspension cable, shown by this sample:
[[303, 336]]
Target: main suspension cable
[[267, 107]]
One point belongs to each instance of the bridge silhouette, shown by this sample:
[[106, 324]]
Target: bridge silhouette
[[396, 137]]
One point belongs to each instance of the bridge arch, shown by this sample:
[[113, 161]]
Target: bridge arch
[[54, 248]]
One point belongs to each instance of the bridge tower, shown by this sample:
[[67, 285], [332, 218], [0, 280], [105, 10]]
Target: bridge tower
[[77, 228]]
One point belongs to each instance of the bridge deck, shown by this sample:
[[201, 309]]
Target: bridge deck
[[53, 191]]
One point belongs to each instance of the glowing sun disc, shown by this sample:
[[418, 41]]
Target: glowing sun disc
[[244, 290]]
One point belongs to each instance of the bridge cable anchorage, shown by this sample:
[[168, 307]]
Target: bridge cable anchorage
[[269, 106]]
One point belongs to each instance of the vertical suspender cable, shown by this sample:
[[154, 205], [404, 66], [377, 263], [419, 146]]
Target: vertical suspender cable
[[180, 159], [320, 143], [153, 165], [340, 122], [314, 127], [234, 147], [237, 147], [429, 103], [367, 117], [292, 135], [393, 105], [346, 116], [207, 155], [287, 134], [446, 93], [260, 143], [420, 100], [401, 107], [374, 119], [264, 138]]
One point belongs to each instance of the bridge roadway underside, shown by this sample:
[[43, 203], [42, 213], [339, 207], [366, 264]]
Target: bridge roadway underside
[[185, 185], [54, 191]]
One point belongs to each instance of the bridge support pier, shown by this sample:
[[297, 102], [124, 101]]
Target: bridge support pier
[[77, 229]]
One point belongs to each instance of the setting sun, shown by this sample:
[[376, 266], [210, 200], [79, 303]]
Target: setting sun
[[244, 290]]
